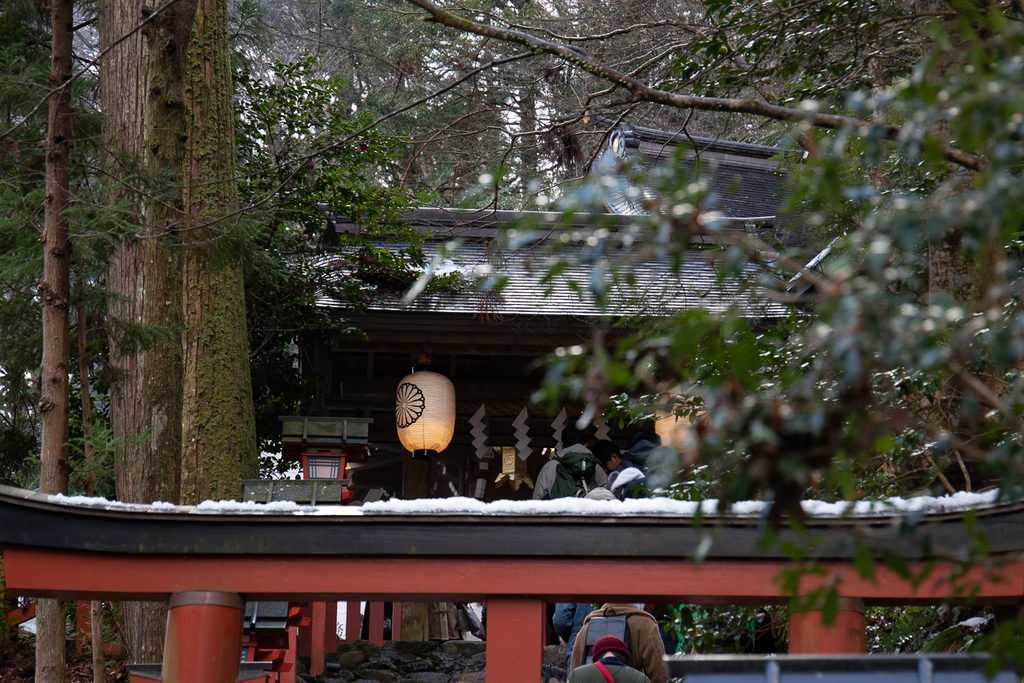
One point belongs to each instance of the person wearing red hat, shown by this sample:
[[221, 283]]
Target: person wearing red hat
[[611, 665], [644, 640]]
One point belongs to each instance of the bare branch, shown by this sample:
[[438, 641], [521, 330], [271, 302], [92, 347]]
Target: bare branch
[[984, 393], [641, 92]]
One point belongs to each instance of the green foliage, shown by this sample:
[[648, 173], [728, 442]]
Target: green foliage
[[870, 379], [897, 369], [726, 629], [106, 448], [305, 157], [927, 629]]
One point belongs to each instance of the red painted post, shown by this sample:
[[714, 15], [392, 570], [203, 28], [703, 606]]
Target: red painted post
[[396, 621], [291, 656], [846, 635], [204, 637], [83, 626], [353, 620], [376, 610], [331, 627], [515, 639], [303, 643], [318, 634]]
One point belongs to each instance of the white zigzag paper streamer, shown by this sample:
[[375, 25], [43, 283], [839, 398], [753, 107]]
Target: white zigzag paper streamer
[[522, 437], [603, 431], [479, 432], [558, 425]]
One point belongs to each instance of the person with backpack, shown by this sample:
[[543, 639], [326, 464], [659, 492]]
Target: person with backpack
[[611, 665], [573, 472], [632, 625]]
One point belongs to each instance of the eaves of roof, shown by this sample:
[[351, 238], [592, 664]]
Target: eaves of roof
[[656, 287]]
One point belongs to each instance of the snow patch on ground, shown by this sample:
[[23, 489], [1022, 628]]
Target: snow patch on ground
[[974, 623]]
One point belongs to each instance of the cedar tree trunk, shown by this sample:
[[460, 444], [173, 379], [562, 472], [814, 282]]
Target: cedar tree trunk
[[144, 281], [218, 423], [54, 294]]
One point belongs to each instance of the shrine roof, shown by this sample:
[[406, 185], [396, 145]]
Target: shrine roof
[[744, 179], [658, 286]]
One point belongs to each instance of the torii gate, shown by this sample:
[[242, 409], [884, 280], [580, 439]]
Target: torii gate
[[204, 565]]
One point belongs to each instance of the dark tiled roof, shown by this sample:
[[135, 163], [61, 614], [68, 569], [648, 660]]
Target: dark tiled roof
[[657, 288], [744, 179]]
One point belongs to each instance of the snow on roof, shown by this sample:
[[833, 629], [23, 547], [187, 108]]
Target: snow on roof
[[642, 507], [206, 507], [673, 508]]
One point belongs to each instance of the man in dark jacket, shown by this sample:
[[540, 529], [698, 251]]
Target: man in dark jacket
[[568, 621], [611, 665], [646, 646]]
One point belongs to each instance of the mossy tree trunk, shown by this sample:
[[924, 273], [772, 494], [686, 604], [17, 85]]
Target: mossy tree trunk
[[218, 424], [145, 285]]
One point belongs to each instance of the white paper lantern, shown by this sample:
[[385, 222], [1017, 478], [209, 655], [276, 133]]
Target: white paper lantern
[[425, 413]]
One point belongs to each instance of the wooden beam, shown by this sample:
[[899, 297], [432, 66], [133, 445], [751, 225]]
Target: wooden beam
[[47, 572], [382, 389]]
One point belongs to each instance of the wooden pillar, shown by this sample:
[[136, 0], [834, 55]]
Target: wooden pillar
[[376, 614], [331, 627], [415, 621], [515, 639], [808, 633], [396, 621], [291, 656], [204, 637], [318, 636], [415, 478], [353, 620]]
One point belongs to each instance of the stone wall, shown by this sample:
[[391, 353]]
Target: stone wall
[[412, 661]]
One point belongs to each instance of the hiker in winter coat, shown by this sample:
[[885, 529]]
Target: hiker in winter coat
[[645, 642], [568, 621], [646, 464], [613, 656], [574, 471]]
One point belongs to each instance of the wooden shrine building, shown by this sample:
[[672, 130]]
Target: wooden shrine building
[[489, 344]]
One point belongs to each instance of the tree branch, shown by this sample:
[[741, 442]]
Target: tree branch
[[88, 65], [641, 92]]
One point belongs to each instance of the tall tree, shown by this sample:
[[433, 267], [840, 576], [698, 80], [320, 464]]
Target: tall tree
[[144, 281], [55, 295], [218, 424]]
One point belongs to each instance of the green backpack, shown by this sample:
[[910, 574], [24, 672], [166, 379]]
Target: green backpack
[[575, 475]]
